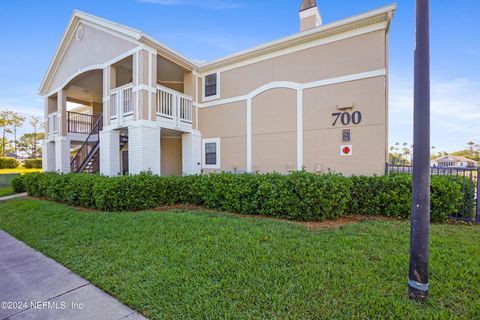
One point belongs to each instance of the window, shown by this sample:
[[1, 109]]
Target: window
[[211, 87], [211, 153]]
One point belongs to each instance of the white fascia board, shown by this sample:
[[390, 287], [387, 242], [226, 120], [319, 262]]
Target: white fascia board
[[149, 40], [77, 17], [299, 36]]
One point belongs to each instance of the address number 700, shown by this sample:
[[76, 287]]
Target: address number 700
[[346, 118]]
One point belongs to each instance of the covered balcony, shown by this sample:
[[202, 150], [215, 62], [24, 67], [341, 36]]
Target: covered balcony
[[169, 103]]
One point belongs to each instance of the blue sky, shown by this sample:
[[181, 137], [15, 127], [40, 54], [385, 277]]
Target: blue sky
[[30, 31]]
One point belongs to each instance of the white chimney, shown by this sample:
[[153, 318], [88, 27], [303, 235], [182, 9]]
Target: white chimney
[[309, 15]]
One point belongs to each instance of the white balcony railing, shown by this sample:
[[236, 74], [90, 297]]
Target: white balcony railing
[[173, 109], [121, 101], [174, 105]]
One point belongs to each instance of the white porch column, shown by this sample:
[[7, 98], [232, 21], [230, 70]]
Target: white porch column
[[191, 153], [144, 148], [62, 113], [48, 156], [110, 152], [62, 154]]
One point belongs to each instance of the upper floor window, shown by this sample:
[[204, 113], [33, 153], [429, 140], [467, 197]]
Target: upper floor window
[[211, 89]]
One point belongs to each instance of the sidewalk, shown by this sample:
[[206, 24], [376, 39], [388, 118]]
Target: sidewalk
[[47, 290], [13, 196]]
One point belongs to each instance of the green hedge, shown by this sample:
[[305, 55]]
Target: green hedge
[[8, 163], [33, 163], [297, 196], [391, 196]]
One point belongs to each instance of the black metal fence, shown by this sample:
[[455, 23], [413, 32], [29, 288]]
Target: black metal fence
[[466, 177]]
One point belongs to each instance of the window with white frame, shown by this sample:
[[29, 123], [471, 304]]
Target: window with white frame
[[211, 153], [211, 86]]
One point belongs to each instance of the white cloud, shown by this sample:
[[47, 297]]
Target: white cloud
[[24, 100], [455, 112], [207, 4]]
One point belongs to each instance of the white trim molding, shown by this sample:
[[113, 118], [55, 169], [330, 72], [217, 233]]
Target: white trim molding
[[299, 87], [217, 164], [295, 85], [94, 67], [299, 129]]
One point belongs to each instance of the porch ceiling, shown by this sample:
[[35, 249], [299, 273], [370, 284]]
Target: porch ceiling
[[168, 71], [170, 133], [86, 87]]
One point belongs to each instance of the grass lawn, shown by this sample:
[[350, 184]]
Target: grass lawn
[[20, 170], [6, 191], [179, 264]]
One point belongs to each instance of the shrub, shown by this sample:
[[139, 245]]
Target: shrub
[[33, 163], [18, 185], [297, 196], [303, 196], [8, 163], [392, 196], [32, 184], [138, 192]]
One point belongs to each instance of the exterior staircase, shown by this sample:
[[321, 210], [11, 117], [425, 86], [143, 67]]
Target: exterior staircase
[[87, 159]]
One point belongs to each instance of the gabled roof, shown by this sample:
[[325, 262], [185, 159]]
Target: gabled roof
[[133, 35], [451, 157], [383, 14]]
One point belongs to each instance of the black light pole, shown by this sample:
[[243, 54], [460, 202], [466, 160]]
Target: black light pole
[[420, 227]]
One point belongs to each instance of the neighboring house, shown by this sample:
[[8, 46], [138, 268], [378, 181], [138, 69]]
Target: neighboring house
[[454, 161], [316, 100]]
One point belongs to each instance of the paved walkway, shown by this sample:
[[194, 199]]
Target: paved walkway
[[47, 290], [13, 196]]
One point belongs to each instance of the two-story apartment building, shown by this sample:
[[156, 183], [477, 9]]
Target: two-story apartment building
[[118, 101]]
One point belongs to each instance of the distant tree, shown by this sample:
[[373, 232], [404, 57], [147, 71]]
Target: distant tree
[[396, 158], [8, 147], [471, 148], [17, 121], [28, 144], [472, 151], [6, 118], [36, 123]]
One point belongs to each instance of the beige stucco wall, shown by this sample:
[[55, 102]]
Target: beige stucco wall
[[322, 141], [353, 55], [274, 118], [227, 122], [171, 156], [274, 112], [96, 47], [174, 86]]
